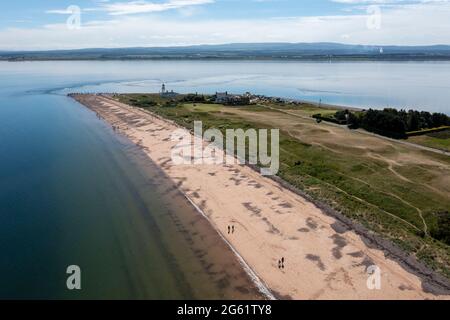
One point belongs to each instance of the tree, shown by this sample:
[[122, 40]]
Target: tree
[[386, 122], [353, 121], [391, 122], [413, 120], [442, 230], [341, 115], [440, 119]]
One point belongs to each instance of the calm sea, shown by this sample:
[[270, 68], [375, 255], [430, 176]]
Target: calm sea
[[74, 193], [417, 85]]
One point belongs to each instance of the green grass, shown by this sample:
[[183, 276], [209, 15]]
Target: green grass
[[362, 188], [202, 107], [430, 131], [437, 140], [310, 110]]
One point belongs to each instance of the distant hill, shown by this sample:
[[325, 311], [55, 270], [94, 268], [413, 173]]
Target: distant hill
[[305, 51]]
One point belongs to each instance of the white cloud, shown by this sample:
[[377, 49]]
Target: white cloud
[[412, 24], [137, 7], [59, 11], [134, 7]]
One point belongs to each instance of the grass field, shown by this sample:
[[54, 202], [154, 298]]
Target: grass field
[[306, 110], [393, 189], [193, 107], [438, 140]]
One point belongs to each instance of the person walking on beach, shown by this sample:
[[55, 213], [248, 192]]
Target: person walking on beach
[[281, 263]]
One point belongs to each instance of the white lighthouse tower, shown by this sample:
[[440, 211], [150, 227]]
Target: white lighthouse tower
[[166, 93]]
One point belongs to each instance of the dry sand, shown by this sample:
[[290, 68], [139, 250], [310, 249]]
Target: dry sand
[[324, 260]]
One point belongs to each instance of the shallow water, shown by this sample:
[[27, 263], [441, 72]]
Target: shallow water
[[72, 192]]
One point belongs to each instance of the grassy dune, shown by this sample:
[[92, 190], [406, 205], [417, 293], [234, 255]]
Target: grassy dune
[[393, 189], [438, 140]]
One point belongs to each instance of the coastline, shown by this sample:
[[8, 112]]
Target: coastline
[[343, 251], [263, 289]]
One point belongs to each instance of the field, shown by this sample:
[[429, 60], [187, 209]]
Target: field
[[393, 189], [438, 140]]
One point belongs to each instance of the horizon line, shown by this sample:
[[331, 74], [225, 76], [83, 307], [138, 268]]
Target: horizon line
[[223, 44]]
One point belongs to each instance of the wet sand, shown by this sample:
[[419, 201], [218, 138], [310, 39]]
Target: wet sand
[[202, 256], [324, 259]]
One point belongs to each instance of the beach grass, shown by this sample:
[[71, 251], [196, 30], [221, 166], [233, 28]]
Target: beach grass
[[392, 189]]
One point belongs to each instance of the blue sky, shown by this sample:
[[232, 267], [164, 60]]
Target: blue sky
[[54, 24], [36, 12]]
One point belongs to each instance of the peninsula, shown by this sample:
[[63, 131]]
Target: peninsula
[[329, 215]]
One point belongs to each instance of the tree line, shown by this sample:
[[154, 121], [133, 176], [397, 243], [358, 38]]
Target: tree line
[[392, 122], [441, 231]]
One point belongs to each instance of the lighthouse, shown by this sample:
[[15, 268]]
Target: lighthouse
[[166, 93]]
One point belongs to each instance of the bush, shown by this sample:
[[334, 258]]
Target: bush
[[332, 119], [145, 103], [442, 230], [194, 98], [353, 121], [170, 104], [341, 115]]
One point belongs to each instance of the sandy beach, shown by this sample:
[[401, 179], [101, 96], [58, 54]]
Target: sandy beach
[[323, 258]]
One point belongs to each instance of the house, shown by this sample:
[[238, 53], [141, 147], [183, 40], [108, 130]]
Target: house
[[229, 99], [222, 97]]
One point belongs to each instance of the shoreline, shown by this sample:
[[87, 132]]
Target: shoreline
[[320, 59], [262, 287], [350, 237]]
